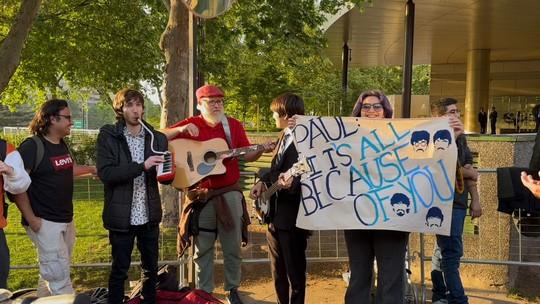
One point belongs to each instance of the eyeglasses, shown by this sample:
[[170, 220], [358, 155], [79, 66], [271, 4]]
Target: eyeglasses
[[453, 112], [374, 106], [213, 102], [68, 117]]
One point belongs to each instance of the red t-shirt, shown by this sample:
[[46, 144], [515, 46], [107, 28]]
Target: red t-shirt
[[238, 137]]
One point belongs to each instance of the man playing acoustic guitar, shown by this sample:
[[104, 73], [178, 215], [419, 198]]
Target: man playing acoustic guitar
[[223, 209]]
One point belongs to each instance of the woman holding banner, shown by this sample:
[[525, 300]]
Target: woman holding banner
[[386, 246]]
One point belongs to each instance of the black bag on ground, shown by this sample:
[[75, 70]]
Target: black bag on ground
[[167, 279]]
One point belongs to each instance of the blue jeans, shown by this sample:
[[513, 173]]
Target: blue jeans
[[445, 271]]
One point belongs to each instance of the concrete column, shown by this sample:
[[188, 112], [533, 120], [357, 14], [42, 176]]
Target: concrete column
[[477, 88]]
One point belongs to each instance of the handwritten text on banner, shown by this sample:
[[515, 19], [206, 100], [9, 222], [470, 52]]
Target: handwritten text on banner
[[377, 174]]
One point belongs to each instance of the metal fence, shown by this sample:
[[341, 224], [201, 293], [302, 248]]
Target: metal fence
[[495, 239], [24, 131]]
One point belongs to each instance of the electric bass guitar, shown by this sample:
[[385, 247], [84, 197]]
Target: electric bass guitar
[[195, 160], [262, 203]]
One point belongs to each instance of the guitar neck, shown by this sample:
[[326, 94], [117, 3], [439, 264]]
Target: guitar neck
[[239, 151], [275, 187]]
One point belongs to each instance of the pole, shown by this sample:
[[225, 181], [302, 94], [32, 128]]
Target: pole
[[408, 60], [344, 75]]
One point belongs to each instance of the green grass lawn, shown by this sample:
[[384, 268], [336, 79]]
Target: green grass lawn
[[91, 246]]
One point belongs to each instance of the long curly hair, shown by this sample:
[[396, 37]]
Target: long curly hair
[[41, 122]]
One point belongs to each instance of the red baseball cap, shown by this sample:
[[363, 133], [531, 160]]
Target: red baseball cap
[[209, 90]]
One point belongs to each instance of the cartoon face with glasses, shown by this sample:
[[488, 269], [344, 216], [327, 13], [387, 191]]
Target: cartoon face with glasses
[[420, 140]]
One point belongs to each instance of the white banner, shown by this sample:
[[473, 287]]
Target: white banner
[[377, 174]]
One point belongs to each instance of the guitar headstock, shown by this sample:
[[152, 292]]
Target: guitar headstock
[[300, 167]]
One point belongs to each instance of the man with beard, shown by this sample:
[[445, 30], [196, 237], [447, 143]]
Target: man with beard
[[127, 167], [223, 209]]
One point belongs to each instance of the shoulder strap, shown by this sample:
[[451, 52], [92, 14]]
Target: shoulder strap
[[3, 149], [227, 129], [40, 151]]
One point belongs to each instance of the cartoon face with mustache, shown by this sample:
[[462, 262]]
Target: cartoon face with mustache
[[442, 140], [420, 140], [434, 217], [400, 204]]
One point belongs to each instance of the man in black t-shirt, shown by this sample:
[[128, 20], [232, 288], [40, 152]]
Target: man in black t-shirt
[[51, 226]]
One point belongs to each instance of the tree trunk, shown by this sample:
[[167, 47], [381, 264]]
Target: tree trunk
[[12, 46], [175, 45]]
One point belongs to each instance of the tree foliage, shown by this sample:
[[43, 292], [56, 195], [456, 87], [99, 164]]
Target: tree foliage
[[262, 48], [256, 51], [81, 45]]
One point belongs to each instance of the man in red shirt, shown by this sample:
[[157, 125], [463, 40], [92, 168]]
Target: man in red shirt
[[222, 213]]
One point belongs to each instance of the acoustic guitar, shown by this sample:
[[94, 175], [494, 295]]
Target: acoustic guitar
[[262, 203], [195, 160]]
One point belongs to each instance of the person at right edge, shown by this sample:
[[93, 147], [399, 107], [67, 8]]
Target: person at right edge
[[447, 285], [287, 243]]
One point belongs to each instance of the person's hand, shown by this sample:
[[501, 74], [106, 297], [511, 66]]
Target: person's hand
[[93, 170], [469, 172], [284, 182], [152, 161], [257, 190], [34, 223], [190, 129], [269, 146], [291, 122], [5, 168], [475, 209], [457, 125], [532, 184]]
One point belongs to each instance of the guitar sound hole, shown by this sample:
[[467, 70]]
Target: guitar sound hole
[[210, 157]]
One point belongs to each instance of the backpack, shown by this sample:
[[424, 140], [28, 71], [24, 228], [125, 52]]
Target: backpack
[[183, 296], [3, 152], [167, 279], [40, 151]]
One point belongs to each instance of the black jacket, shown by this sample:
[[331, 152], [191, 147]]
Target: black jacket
[[117, 171], [286, 202]]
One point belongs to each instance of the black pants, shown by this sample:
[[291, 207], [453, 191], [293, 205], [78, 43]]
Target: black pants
[[389, 248], [288, 263], [4, 260], [483, 128], [122, 246], [493, 129]]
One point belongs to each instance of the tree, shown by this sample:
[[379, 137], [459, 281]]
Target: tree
[[388, 79], [262, 48], [12, 45], [82, 45]]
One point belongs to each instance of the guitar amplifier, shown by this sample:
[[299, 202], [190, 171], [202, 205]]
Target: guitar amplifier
[[166, 170]]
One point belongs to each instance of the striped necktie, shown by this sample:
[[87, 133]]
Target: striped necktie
[[282, 147]]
